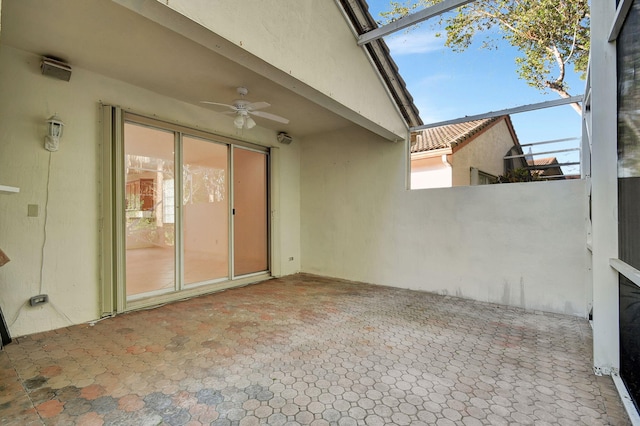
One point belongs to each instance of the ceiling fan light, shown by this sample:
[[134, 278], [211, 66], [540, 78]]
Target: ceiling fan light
[[239, 122], [250, 123]]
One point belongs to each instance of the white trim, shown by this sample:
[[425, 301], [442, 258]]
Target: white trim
[[150, 294], [252, 274], [106, 221], [4, 189], [178, 220], [119, 215], [515, 110], [604, 194], [430, 154], [275, 256], [633, 414], [631, 273], [618, 21], [232, 216], [409, 20]]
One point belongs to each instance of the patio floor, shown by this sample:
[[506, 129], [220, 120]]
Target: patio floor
[[310, 350]]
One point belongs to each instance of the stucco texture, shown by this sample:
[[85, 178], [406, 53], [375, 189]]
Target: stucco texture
[[66, 186], [515, 244]]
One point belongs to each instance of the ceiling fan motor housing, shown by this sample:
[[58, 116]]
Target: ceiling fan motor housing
[[241, 104]]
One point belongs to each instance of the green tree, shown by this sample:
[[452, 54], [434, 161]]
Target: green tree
[[551, 35]]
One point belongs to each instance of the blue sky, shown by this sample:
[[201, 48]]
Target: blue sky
[[447, 85]]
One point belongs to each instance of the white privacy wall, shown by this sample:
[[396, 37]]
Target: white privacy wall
[[70, 259], [515, 244]]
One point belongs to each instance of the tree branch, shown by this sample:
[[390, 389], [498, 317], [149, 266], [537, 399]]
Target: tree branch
[[564, 94], [573, 44], [560, 62], [502, 21]]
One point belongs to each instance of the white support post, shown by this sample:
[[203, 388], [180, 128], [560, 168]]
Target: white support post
[[604, 184]]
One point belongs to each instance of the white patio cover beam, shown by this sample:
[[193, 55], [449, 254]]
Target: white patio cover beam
[[411, 19], [508, 111], [621, 13]]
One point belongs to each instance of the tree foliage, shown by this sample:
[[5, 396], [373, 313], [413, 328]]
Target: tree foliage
[[551, 35]]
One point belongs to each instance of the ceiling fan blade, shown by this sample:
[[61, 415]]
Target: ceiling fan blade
[[270, 116], [257, 105], [219, 104]]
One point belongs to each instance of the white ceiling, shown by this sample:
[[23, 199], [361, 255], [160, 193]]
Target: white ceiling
[[104, 37]]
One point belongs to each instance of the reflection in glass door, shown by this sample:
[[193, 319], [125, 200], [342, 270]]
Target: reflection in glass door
[[205, 211], [250, 220], [149, 210], [177, 196]]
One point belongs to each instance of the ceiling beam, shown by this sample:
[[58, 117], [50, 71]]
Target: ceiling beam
[[411, 19], [508, 111]]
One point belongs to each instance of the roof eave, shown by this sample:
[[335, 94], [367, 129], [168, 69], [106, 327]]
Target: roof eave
[[361, 21]]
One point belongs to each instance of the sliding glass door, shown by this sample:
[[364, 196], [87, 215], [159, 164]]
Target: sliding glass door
[[250, 236], [190, 202], [149, 215], [205, 200]]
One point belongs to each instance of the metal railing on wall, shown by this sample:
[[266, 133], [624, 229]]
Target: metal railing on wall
[[546, 165]]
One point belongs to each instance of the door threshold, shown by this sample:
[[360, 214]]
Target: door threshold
[[154, 301]]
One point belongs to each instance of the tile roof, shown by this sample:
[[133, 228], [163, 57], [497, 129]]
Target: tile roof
[[448, 136], [358, 13], [544, 167], [543, 161]]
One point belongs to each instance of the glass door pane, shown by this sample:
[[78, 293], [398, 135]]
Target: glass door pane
[[250, 224], [206, 210], [149, 210]]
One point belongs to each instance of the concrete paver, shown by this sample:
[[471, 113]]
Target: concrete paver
[[311, 350]]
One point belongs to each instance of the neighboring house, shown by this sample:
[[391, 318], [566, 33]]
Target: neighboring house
[[462, 154], [545, 168]]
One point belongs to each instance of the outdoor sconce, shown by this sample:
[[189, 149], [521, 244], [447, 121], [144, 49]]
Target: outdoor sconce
[[54, 133]]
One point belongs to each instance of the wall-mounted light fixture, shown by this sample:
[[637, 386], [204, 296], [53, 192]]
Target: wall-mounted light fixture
[[54, 133]]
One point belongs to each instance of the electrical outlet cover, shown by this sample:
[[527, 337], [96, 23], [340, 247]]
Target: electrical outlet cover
[[39, 299]]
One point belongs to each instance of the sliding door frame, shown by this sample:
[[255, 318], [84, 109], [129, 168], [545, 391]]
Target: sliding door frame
[[233, 216], [113, 297]]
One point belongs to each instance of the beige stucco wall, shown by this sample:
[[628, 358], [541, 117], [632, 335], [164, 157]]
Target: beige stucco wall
[[309, 40], [70, 258], [518, 244], [431, 172], [485, 153]]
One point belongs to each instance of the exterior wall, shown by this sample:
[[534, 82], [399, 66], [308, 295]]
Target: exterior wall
[[486, 153], [66, 248], [430, 172], [308, 40], [521, 244]]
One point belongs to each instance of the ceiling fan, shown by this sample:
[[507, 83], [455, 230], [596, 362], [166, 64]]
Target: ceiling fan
[[243, 109]]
